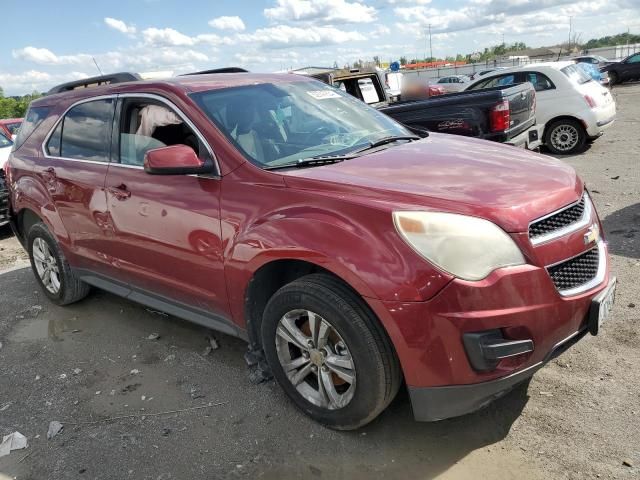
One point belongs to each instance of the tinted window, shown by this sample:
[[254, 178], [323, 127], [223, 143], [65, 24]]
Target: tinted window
[[13, 128], [86, 131], [53, 145], [497, 81], [539, 81], [33, 118], [634, 59]]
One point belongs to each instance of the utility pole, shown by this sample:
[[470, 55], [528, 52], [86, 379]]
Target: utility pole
[[430, 46], [503, 39], [569, 48]]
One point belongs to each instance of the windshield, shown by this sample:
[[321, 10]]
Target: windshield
[[576, 74], [275, 124], [5, 142]]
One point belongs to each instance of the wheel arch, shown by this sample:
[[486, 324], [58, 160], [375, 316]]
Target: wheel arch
[[563, 117]]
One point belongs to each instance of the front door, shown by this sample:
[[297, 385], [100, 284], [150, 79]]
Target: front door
[[166, 228]]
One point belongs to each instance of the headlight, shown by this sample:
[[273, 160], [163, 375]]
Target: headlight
[[467, 247]]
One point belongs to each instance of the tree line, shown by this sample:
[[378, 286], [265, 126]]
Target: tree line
[[15, 107]]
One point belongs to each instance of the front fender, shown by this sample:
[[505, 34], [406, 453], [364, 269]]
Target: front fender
[[374, 262]]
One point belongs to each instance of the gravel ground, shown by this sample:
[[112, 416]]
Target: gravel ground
[[85, 364]]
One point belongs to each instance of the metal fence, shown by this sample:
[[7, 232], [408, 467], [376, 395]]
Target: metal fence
[[613, 53]]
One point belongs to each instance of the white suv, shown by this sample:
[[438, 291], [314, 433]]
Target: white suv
[[571, 106]]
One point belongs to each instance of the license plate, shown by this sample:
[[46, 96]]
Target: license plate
[[601, 307]]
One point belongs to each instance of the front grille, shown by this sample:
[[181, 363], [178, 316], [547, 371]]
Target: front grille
[[576, 271], [561, 219]]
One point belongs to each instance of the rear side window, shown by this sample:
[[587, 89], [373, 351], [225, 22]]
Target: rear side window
[[496, 81], [13, 128], [539, 81], [85, 132], [33, 118]]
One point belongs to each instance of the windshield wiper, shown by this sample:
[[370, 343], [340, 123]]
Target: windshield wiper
[[326, 159], [312, 161], [385, 140]]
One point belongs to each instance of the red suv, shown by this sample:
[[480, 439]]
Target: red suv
[[353, 256]]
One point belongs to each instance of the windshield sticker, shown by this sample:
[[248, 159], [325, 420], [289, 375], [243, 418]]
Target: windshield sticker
[[323, 94]]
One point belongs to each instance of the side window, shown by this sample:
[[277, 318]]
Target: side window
[[634, 59], [86, 131], [496, 81], [53, 145], [539, 81], [505, 80], [146, 124]]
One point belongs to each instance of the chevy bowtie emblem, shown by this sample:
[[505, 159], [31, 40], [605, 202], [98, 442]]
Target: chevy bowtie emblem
[[592, 235]]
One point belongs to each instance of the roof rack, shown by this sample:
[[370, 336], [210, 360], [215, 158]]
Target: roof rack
[[95, 82], [218, 70]]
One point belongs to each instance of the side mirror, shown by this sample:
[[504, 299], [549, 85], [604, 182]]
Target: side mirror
[[175, 160]]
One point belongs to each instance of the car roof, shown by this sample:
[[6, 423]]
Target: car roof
[[10, 120], [185, 84], [532, 66]]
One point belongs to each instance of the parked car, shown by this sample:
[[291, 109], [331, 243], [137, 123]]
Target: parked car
[[5, 149], [479, 74], [453, 83], [601, 77], [10, 126], [571, 107], [353, 257], [625, 70], [597, 60], [505, 115]]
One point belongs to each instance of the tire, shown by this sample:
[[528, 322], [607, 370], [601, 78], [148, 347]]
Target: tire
[[565, 137], [613, 78], [68, 288], [353, 336]]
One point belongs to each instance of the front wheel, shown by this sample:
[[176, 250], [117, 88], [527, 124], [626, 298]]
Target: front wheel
[[329, 353], [613, 78], [565, 137]]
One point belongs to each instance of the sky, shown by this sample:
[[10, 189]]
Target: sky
[[48, 42]]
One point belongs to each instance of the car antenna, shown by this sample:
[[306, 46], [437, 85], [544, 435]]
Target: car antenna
[[97, 66]]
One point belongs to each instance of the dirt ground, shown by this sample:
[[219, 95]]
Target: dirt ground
[[85, 364]]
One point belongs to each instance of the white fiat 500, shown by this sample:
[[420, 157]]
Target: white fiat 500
[[573, 108]]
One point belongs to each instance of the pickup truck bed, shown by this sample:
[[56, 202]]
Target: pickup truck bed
[[481, 114]]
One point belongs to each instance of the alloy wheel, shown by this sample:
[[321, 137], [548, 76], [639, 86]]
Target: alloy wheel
[[315, 359], [46, 265], [564, 137]]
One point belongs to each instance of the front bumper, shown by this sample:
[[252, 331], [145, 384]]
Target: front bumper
[[437, 403]]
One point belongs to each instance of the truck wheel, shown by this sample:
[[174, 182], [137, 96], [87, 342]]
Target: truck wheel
[[565, 137], [51, 269], [613, 78], [329, 353]]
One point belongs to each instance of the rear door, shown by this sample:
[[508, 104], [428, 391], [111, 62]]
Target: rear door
[[77, 155], [166, 228], [630, 68], [546, 94]]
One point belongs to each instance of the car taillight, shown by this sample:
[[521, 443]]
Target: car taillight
[[590, 101], [499, 117]]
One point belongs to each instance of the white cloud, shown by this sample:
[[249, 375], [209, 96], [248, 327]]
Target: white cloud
[[283, 36], [120, 26], [44, 56], [228, 23], [167, 37], [20, 83], [321, 11]]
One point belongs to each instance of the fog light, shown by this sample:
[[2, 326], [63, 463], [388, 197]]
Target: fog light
[[486, 349]]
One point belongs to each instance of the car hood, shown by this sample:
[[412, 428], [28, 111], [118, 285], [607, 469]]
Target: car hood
[[505, 184]]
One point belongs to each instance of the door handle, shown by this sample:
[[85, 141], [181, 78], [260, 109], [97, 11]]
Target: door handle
[[121, 192]]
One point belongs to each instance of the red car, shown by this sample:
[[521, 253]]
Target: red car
[[10, 126], [352, 256]]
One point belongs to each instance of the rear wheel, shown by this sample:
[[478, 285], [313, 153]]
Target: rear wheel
[[329, 353], [51, 269], [565, 137]]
